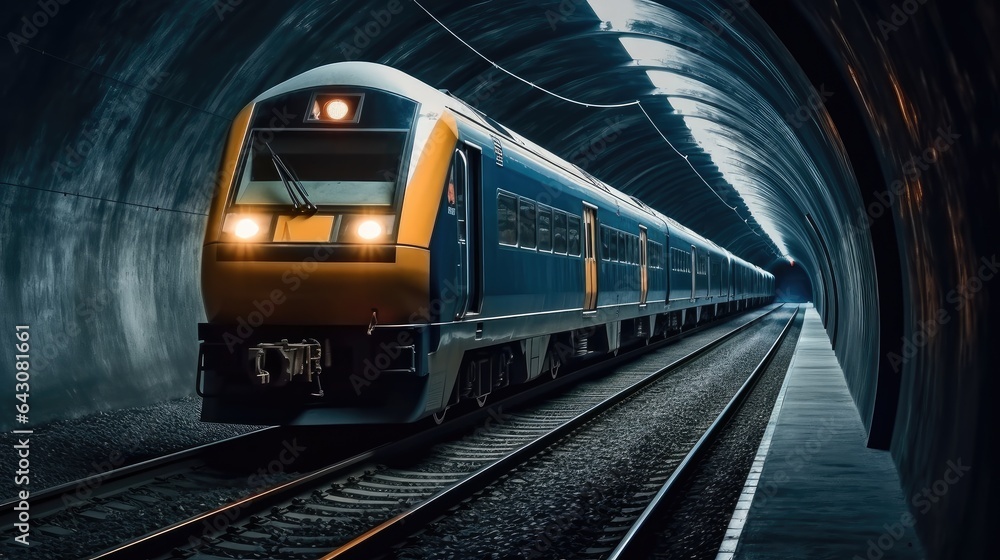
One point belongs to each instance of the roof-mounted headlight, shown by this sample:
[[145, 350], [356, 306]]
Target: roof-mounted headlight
[[335, 108]]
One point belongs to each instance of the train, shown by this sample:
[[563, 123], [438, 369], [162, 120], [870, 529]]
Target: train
[[378, 251]]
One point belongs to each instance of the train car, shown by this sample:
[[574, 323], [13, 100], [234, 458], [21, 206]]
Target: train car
[[378, 251]]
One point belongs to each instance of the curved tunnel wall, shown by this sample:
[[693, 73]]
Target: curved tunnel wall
[[109, 161], [924, 78]]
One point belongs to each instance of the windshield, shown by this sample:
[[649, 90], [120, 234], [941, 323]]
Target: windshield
[[335, 168]]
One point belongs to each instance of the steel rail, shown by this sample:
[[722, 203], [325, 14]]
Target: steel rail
[[61, 496], [638, 536]]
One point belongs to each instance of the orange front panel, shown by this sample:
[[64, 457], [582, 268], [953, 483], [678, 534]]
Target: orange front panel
[[313, 292], [424, 192], [227, 170], [303, 229]]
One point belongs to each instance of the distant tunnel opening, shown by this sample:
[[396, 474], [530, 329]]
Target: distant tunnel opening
[[791, 284]]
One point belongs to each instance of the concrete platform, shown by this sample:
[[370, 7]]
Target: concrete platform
[[815, 490]]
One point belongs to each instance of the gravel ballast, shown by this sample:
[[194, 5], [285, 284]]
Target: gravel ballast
[[558, 505], [69, 450], [695, 526]]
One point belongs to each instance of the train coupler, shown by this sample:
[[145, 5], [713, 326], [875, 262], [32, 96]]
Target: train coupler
[[292, 359]]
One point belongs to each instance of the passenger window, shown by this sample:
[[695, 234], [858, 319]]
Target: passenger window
[[559, 232], [544, 228], [527, 230], [574, 236], [507, 219], [613, 243], [622, 254]]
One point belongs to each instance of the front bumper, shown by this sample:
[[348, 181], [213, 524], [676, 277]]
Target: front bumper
[[365, 379]]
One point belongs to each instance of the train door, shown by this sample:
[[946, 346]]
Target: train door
[[466, 179], [643, 266], [694, 272], [708, 273], [668, 266], [731, 290], [590, 257]]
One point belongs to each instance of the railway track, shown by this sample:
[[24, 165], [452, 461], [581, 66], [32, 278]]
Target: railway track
[[82, 517], [581, 497], [163, 472], [637, 539], [358, 507]]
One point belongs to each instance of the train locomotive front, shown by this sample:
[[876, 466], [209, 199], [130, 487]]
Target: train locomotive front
[[318, 237]]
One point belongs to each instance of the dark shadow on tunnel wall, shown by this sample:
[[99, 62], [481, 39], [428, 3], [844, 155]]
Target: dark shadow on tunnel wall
[[913, 76], [822, 67]]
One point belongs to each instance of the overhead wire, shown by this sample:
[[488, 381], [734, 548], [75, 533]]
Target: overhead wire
[[102, 199], [129, 85], [636, 103]]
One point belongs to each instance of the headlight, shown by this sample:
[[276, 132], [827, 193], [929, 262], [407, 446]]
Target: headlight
[[246, 228], [369, 229], [336, 109], [364, 228]]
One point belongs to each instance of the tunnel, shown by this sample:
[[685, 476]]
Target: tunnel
[[849, 148]]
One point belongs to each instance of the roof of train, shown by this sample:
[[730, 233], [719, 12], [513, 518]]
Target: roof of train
[[369, 74]]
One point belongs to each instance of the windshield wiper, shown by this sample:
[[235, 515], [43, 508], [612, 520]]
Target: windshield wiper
[[295, 189]]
